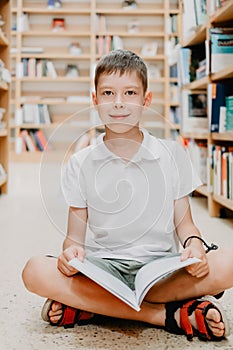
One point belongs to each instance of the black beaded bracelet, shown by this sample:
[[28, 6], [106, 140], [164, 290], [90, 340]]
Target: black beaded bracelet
[[209, 247]]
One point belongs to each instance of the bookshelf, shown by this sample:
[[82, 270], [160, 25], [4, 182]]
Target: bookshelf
[[218, 189], [4, 94], [94, 24]]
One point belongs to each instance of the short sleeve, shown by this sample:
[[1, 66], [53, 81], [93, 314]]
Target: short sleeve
[[73, 184], [185, 177]]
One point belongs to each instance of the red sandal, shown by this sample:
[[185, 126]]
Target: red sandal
[[69, 317], [200, 307]]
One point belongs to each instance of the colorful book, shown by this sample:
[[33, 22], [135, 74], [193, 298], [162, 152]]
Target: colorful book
[[216, 99]]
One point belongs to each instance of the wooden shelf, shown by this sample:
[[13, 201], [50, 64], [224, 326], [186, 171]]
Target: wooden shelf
[[198, 38], [51, 33], [141, 34], [226, 136], [3, 40], [55, 103], [197, 136], [227, 203], [223, 14], [55, 56], [226, 73], [3, 181], [130, 13], [198, 84], [66, 9], [3, 132], [58, 79], [3, 86], [202, 190]]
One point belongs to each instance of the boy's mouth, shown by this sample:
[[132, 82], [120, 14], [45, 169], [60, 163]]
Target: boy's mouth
[[119, 117]]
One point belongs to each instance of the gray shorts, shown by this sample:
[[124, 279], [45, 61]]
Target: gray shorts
[[124, 270]]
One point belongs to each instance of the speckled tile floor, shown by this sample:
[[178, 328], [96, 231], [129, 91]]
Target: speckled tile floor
[[27, 229]]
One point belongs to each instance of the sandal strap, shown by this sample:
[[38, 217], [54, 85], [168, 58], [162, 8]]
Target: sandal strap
[[84, 317], [170, 322], [185, 311], [68, 318], [200, 313]]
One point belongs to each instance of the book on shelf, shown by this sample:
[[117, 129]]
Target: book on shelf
[[172, 24], [229, 113], [100, 23], [221, 48], [28, 142], [72, 71], [31, 140], [146, 277], [58, 24], [51, 71], [36, 113], [194, 111], [216, 99], [31, 49], [189, 21], [220, 170], [220, 118], [198, 152], [54, 4], [129, 4], [41, 140], [22, 23], [75, 49], [174, 116], [200, 7], [183, 66]]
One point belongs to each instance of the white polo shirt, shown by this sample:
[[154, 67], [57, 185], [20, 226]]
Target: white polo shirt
[[130, 204]]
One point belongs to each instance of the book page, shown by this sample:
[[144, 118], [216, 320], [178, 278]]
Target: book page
[[107, 281], [154, 271]]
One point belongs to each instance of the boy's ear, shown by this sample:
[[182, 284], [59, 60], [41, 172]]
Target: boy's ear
[[94, 98], [147, 99]]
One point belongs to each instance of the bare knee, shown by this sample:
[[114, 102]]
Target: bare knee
[[31, 274]]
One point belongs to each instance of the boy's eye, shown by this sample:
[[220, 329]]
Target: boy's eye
[[108, 93], [130, 92]]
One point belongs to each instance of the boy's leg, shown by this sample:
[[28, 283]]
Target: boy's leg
[[42, 277]]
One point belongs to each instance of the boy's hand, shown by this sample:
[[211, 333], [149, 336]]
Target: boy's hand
[[200, 269], [71, 252]]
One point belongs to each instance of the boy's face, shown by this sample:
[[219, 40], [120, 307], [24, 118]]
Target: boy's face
[[120, 100]]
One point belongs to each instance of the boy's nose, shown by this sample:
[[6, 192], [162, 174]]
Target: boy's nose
[[118, 102]]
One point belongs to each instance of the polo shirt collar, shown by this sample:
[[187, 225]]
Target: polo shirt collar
[[148, 150]]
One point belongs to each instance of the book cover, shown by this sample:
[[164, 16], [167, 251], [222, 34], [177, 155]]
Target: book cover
[[41, 139], [200, 11], [221, 49], [194, 111], [216, 99]]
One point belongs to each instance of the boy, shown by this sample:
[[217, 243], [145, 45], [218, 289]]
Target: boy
[[132, 190]]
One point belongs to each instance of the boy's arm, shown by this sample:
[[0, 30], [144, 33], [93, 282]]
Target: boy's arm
[[74, 243], [185, 228]]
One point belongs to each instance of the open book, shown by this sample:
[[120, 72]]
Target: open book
[[145, 278]]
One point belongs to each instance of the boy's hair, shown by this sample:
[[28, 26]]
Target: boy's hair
[[122, 61]]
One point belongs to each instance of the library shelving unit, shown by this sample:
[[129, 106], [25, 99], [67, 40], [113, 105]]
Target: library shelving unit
[[4, 93], [92, 27], [222, 17]]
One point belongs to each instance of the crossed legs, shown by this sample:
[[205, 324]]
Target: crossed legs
[[42, 277]]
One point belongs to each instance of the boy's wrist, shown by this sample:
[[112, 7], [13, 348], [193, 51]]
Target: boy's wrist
[[197, 241]]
